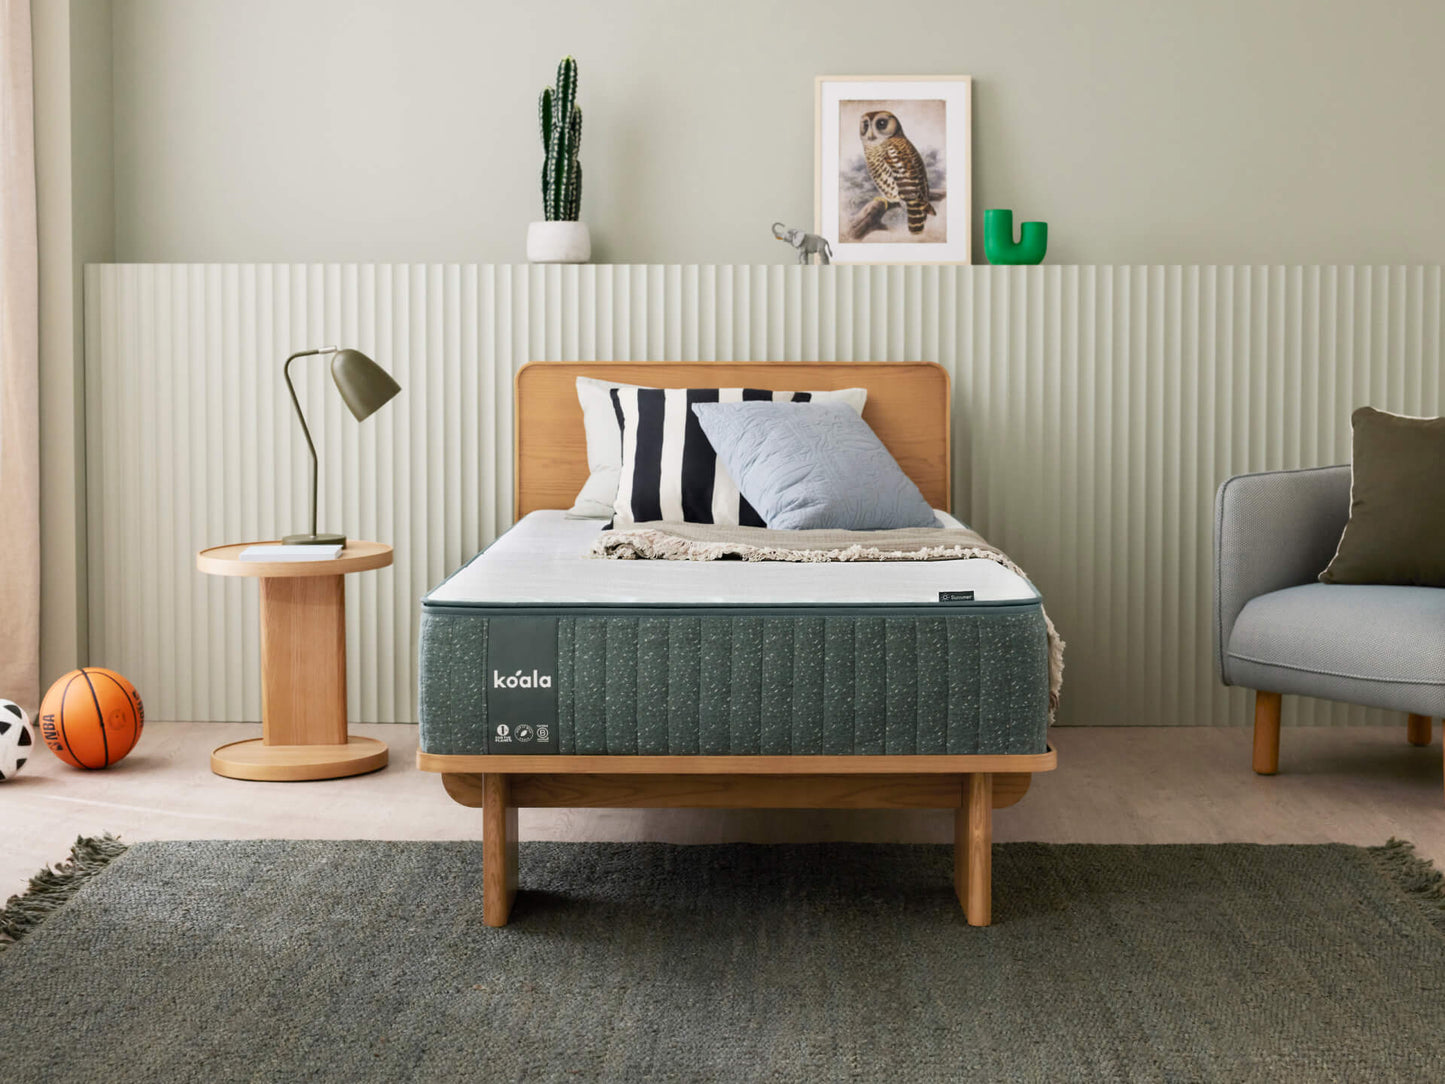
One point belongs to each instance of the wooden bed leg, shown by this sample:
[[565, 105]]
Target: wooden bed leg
[[499, 849], [1418, 729], [973, 849], [1266, 732]]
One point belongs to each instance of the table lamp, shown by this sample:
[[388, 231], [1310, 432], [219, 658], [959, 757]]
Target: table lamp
[[366, 387]]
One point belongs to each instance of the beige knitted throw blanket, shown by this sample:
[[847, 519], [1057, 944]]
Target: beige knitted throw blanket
[[712, 542]]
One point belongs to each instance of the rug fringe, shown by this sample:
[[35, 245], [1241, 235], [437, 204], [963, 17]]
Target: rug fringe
[[52, 888], [1417, 877]]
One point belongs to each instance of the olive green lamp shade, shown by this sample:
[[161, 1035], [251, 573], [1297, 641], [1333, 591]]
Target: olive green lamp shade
[[364, 384], [366, 387]]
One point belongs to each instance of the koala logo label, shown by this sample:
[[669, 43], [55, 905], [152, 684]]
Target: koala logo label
[[521, 680]]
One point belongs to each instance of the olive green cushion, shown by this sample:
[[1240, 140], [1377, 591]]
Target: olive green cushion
[[1396, 532]]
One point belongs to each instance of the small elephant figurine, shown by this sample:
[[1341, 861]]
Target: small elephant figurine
[[807, 244]]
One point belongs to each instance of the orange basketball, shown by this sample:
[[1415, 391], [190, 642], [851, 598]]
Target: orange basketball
[[91, 717]]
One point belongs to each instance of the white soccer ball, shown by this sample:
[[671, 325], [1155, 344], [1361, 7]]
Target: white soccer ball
[[17, 738]]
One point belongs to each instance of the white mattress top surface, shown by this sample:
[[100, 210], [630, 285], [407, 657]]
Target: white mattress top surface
[[543, 560]]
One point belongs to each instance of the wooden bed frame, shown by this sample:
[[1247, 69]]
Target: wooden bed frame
[[908, 407]]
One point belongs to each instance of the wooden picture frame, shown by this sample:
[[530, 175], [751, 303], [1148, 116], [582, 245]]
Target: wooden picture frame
[[893, 167]]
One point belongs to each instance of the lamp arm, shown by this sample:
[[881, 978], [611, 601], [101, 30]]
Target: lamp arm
[[301, 417]]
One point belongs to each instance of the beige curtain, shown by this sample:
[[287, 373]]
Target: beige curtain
[[19, 367]]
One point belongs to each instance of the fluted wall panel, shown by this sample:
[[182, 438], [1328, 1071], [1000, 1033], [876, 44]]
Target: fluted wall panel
[[1096, 410]]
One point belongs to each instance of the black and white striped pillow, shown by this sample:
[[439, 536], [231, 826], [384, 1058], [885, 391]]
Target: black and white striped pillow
[[670, 471]]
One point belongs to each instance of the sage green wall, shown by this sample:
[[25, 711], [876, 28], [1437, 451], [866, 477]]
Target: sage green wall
[[1144, 131]]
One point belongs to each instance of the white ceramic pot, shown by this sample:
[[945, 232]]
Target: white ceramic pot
[[558, 242]]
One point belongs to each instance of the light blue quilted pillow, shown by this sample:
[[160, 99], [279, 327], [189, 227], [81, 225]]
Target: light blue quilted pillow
[[810, 466]]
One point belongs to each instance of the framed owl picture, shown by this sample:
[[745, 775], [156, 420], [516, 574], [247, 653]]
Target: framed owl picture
[[893, 168]]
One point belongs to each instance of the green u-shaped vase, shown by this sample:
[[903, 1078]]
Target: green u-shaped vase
[[999, 244]]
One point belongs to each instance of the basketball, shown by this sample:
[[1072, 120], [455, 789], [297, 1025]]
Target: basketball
[[91, 717]]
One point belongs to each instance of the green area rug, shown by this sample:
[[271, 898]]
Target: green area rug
[[361, 961]]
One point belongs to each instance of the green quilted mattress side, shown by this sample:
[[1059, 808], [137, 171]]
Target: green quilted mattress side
[[760, 684]]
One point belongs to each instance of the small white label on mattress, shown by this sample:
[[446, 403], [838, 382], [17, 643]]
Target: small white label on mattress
[[542, 561]]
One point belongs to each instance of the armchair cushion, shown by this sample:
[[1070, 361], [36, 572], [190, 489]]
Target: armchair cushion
[[1271, 531], [1381, 646], [1396, 532]]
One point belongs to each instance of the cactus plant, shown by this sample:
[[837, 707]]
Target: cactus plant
[[561, 136]]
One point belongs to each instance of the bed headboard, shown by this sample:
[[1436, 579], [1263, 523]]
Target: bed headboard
[[908, 407]]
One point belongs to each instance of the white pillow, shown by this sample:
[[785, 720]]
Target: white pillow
[[604, 442], [604, 448]]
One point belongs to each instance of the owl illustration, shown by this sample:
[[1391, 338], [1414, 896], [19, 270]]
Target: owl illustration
[[896, 166]]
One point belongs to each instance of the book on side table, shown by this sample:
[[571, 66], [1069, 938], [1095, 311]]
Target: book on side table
[[291, 553]]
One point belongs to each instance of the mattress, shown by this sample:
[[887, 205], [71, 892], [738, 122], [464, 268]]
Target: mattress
[[534, 648]]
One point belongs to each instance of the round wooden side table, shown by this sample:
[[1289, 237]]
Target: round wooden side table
[[303, 667]]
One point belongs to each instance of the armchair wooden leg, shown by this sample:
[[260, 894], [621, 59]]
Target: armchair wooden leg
[[1418, 729], [499, 849], [1266, 732], [973, 849]]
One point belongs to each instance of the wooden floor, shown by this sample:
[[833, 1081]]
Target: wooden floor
[[1113, 785]]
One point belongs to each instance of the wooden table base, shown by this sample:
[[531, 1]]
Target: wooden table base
[[303, 690], [297, 763], [303, 660]]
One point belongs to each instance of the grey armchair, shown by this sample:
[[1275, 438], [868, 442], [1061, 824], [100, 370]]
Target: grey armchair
[[1278, 630]]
